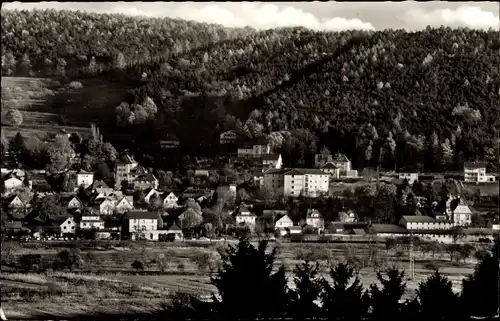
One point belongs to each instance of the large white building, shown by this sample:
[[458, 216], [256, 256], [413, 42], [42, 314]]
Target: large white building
[[296, 182], [84, 178], [475, 172]]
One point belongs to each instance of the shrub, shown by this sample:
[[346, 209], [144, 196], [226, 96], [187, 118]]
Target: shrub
[[75, 85], [14, 117], [137, 265]]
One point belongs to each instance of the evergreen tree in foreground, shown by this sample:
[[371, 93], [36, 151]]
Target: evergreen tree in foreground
[[436, 298], [385, 302], [480, 290], [246, 285], [308, 288], [345, 299]]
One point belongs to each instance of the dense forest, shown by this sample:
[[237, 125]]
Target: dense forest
[[429, 99]]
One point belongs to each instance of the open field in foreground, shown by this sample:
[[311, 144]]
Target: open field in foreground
[[106, 282]]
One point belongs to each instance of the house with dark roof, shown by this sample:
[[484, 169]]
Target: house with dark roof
[[271, 161], [315, 219], [100, 187], [123, 168], [228, 137], [331, 170], [245, 216], [410, 173], [71, 202], [254, 148]]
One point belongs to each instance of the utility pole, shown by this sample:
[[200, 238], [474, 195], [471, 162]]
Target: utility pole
[[412, 259]]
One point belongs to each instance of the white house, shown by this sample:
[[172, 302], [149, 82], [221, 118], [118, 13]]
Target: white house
[[67, 225], [170, 201], [315, 219], [271, 161], [283, 222], [123, 205], [150, 192], [421, 222], [139, 221], [332, 170], [90, 220], [307, 182], [123, 169], [462, 215], [12, 183], [104, 206], [475, 172], [245, 216], [84, 178]]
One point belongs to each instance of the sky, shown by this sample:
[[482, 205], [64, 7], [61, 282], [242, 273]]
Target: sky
[[330, 16]]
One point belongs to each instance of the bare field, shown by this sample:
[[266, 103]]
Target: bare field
[[47, 107], [109, 284]]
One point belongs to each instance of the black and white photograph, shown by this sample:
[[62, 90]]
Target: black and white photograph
[[250, 161]]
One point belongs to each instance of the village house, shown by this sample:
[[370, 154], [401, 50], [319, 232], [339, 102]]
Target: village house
[[84, 178], [91, 221], [283, 221], [145, 181], [149, 192], [123, 205], [143, 225], [13, 202], [200, 176], [123, 168], [228, 137], [11, 182], [256, 148], [71, 202], [348, 228], [462, 215], [271, 161], [340, 161], [65, 224], [245, 217], [104, 206], [315, 219], [176, 231], [348, 217], [100, 187], [332, 170], [170, 201], [475, 172]]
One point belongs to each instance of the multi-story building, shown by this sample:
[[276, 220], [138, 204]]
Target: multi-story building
[[462, 215], [123, 168], [139, 221], [340, 161], [296, 182], [331, 170], [307, 182], [475, 172]]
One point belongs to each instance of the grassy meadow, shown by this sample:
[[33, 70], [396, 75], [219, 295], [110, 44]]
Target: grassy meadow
[[106, 282], [48, 106]]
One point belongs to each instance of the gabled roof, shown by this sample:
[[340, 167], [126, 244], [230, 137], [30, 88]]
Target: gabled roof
[[145, 178], [126, 159], [313, 211], [475, 165], [139, 170], [98, 184], [10, 199], [59, 219], [328, 165], [282, 217], [340, 158], [271, 157], [141, 215], [84, 172], [174, 227], [69, 198]]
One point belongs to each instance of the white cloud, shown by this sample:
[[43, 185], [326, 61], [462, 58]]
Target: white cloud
[[463, 16]]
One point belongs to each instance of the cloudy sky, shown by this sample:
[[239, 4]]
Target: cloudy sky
[[315, 15]]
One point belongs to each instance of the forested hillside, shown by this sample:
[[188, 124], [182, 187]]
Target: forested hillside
[[394, 98], [41, 42]]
